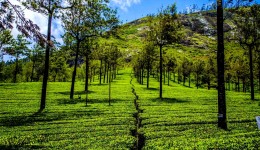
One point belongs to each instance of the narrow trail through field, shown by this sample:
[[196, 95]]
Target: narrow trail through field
[[140, 139]]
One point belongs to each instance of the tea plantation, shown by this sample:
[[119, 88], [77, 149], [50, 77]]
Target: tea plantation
[[136, 119]]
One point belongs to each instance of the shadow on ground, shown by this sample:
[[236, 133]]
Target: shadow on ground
[[170, 100], [76, 93], [20, 146], [25, 120], [90, 101], [151, 89]]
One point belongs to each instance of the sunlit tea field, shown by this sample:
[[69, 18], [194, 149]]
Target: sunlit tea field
[[186, 118]]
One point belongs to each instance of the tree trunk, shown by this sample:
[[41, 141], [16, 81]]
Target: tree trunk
[[94, 71], [16, 69], [142, 74], [148, 74], [74, 71], [238, 84], [197, 80], [222, 120], [108, 72], [161, 69], [100, 72], [184, 80], [86, 73], [189, 80], [105, 71], [109, 88], [46, 68], [32, 71], [251, 73], [168, 71]]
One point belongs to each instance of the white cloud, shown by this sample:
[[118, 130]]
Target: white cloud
[[125, 4]]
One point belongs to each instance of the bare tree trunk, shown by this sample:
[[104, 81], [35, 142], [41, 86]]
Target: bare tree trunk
[[74, 71], [46, 68], [32, 70], [148, 74], [86, 74], [251, 73], [222, 120], [109, 99], [161, 69], [16, 69], [100, 72], [105, 71]]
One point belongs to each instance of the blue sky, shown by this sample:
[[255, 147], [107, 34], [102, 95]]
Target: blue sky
[[129, 10]]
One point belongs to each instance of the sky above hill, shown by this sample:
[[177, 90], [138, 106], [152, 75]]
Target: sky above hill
[[128, 10]]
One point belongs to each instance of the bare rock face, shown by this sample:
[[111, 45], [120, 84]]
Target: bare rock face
[[204, 24]]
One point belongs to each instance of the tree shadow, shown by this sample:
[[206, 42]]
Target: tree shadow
[[76, 92], [151, 89], [25, 120], [103, 84], [90, 101], [170, 100], [20, 146]]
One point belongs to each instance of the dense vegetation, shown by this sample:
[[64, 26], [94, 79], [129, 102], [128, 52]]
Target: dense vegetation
[[160, 82]]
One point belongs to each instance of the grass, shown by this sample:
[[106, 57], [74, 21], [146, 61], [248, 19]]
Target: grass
[[185, 119], [67, 124]]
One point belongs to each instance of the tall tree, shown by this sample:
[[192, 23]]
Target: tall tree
[[166, 33], [222, 119], [18, 48], [248, 28], [49, 8], [85, 20]]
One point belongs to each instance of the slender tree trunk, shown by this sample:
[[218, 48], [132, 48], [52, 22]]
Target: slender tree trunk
[[161, 69], [86, 73], [74, 71], [94, 71], [197, 80], [259, 80], [168, 71], [251, 73], [87, 76], [109, 100], [174, 76], [100, 72], [183, 78], [46, 68], [108, 72], [164, 76], [16, 69], [142, 75], [33, 66], [148, 74], [105, 71], [222, 120], [238, 84], [189, 80]]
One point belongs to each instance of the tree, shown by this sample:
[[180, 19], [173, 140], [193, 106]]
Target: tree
[[166, 33], [10, 13], [83, 21], [18, 48], [5, 41], [49, 8], [222, 119], [198, 69], [248, 28]]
